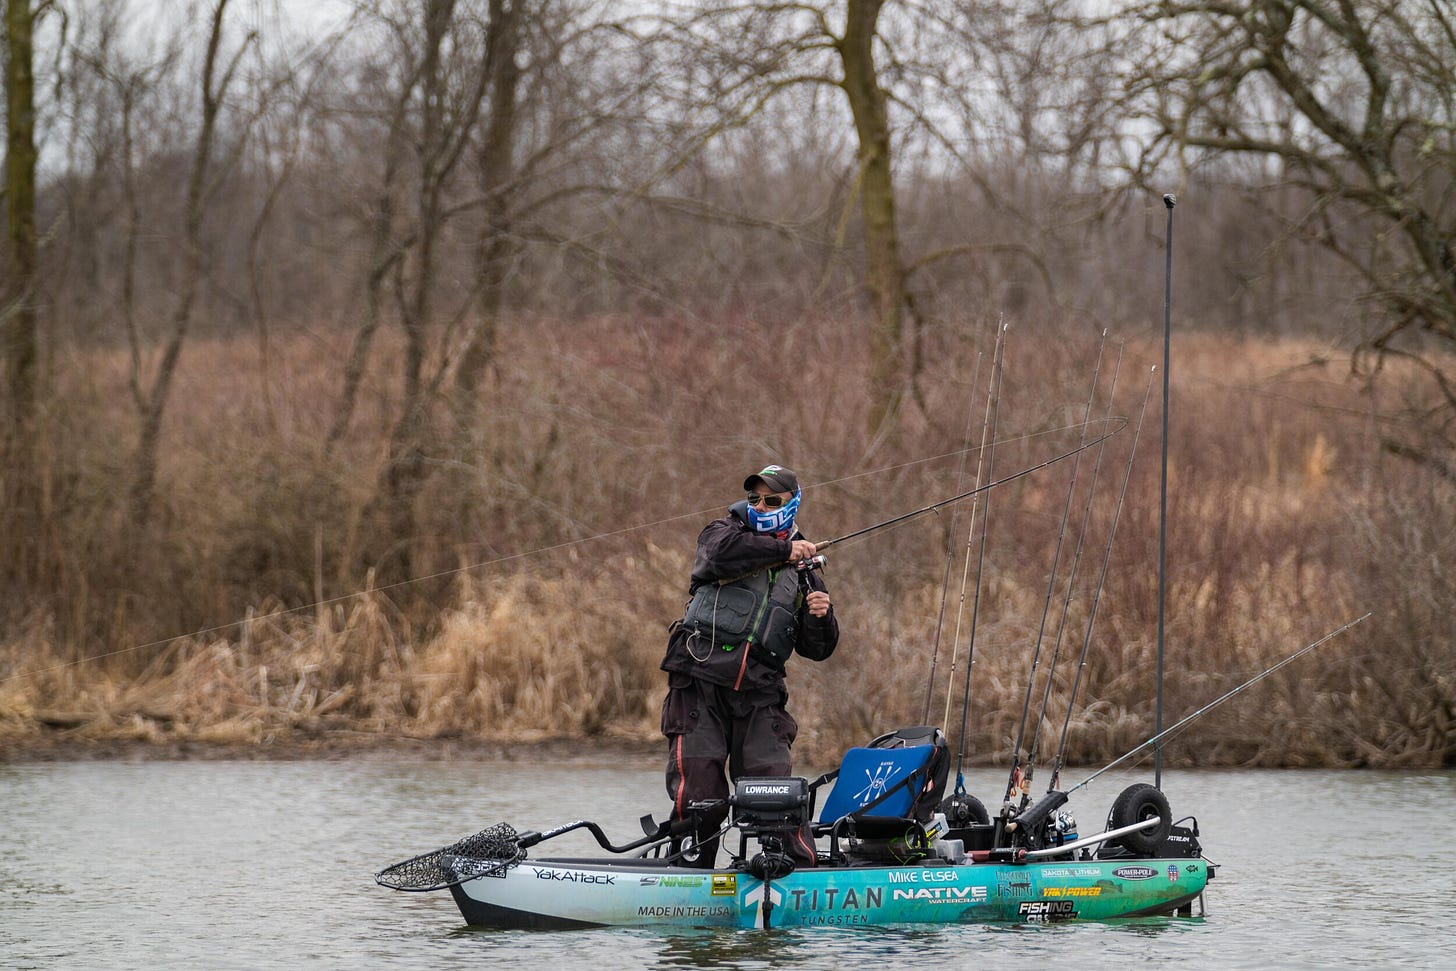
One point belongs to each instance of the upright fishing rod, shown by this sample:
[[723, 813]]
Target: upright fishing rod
[[1097, 595], [998, 365], [1013, 783], [987, 437], [950, 535], [1158, 738], [1169, 201], [1035, 746]]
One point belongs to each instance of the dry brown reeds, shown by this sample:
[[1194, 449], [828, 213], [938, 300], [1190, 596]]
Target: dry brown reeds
[[609, 443]]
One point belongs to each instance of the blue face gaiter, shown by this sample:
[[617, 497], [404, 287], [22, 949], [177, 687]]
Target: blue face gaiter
[[774, 520]]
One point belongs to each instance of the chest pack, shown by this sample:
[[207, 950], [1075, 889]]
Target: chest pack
[[758, 612]]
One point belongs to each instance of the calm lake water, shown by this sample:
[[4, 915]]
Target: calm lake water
[[151, 865]]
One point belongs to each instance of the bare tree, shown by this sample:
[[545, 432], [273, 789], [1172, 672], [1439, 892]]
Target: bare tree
[[385, 248], [205, 174], [902, 69], [447, 120], [285, 88], [742, 56], [1351, 104], [479, 120]]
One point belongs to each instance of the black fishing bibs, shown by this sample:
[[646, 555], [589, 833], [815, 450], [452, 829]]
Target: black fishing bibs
[[758, 612]]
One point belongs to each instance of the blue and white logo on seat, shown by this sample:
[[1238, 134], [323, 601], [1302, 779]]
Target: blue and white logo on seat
[[878, 780]]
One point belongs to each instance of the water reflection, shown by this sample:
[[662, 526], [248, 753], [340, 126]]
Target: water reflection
[[726, 949]]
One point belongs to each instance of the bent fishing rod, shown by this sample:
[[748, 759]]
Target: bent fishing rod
[[1220, 700], [1120, 422]]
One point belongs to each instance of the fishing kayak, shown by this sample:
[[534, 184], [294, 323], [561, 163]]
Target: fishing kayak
[[883, 855], [560, 894]]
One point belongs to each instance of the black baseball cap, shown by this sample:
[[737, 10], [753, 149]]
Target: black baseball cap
[[776, 477]]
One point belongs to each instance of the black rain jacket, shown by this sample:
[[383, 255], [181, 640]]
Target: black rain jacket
[[729, 548]]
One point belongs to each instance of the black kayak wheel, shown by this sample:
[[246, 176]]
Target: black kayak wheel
[[963, 810], [1136, 803]]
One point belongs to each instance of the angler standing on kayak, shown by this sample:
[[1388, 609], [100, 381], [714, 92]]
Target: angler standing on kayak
[[754, 603]]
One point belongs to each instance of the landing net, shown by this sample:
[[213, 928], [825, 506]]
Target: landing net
[[487, 853]]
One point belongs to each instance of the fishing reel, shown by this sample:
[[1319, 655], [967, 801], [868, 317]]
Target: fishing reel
[[1044, 824], [815, 562]]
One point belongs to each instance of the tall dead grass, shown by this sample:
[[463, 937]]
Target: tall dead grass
[[611, 441]]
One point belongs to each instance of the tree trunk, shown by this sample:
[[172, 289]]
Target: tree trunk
[[884, 274], [441, 139], [18, 308], [194, 259], [496, 248], [19, 468]]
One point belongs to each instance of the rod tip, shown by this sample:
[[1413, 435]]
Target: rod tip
[[1170, 200]]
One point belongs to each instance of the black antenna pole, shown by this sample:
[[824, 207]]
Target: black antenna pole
[[1169, 201]]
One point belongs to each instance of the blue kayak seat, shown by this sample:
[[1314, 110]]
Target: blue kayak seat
[[884, 792]]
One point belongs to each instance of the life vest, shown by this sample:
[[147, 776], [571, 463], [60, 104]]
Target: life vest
[[759, 612]]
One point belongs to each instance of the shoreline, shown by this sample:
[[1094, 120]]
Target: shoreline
[[584, 751], [327, 748]]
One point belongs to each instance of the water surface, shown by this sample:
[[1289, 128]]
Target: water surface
[[146, 865]]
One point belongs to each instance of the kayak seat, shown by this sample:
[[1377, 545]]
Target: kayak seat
[[884, 794]]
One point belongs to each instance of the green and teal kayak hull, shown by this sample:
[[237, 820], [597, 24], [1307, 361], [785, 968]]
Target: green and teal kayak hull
[[564, 893]]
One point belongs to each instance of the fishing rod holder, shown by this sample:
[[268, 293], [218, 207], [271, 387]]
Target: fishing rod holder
[[1035, 817]]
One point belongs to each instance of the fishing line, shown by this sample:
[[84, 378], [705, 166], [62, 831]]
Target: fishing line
[[950, 534], [1013, 783], [359, 594], [1163, 735], [1102, 579], [1119, 424], [1029, 436]]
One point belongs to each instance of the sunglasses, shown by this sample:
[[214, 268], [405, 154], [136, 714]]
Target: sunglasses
[[769, 502]]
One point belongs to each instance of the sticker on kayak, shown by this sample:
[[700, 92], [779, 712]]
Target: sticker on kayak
[[1135, 872]]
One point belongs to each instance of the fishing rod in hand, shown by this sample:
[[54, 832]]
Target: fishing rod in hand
[[1221, 699], [1119, 422]]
